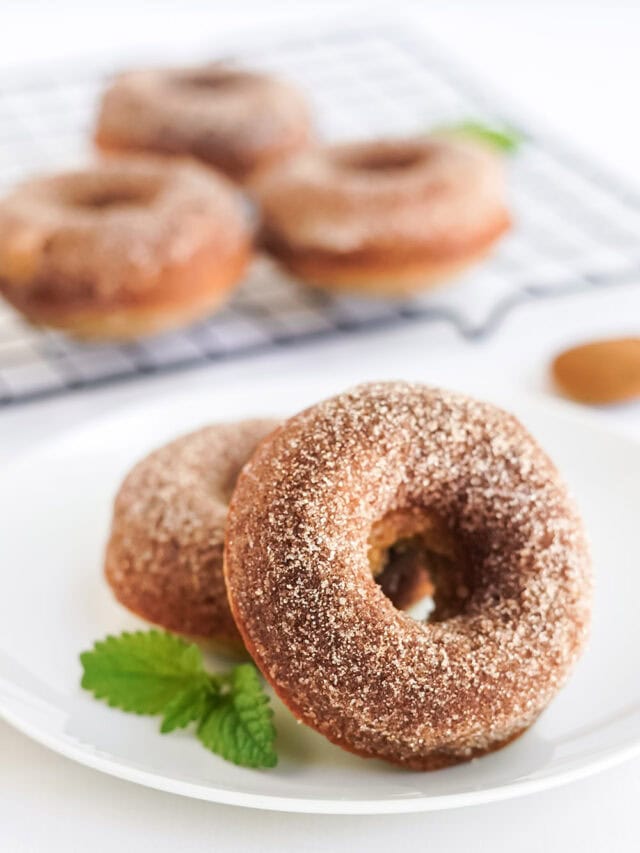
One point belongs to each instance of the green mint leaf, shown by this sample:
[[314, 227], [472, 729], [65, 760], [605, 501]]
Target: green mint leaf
[[506, 139], [143, 672], [238, 724], [157, 673], [187, 707]]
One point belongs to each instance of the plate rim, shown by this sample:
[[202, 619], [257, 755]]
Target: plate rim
[[266, 802]]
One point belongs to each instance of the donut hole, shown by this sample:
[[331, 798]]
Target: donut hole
[[101, 198], [405, 577], [207, 80], [419, 566], [382, 159]]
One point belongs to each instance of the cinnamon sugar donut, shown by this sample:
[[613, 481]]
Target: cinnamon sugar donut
[[121, 249], [237, 121], [385, 218], [164, 555], [453, 477]]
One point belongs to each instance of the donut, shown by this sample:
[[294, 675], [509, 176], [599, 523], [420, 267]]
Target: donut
[[122, 249], [386, 218], [164, 555], [234, 120], [452, 477]]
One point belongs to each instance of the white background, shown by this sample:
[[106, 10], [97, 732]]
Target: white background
[[574, 66]]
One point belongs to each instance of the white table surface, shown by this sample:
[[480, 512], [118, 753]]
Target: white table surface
[[577, 67]]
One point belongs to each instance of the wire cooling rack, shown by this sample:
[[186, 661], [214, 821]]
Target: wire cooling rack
[[575, 227]]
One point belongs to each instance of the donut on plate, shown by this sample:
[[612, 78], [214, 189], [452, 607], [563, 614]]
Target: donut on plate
[[125, 248], [237, 121], [387, 218], [164, 555], [446, 475]]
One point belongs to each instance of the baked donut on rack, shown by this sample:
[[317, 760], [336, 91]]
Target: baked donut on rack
[[164, 555], [462, 482], [386, 218], [122, 249], [235, 120]]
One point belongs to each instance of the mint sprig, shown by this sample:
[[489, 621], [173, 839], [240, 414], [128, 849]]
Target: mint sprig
[[238, 726], [154, 672], [506, 139]]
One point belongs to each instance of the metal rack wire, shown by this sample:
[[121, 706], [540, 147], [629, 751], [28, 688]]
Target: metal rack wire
[[575, 227]]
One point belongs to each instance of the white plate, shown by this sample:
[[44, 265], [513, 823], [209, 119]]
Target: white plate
[[55, 505]]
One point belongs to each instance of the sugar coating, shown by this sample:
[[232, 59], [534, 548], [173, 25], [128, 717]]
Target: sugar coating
[[335, 649], [449, 195], [164, 556], [55, 243], [234, 119]]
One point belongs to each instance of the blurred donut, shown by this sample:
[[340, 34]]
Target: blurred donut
[[385, 218]]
